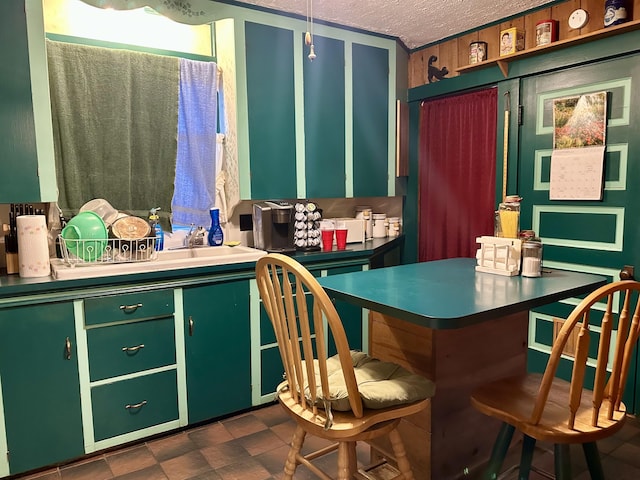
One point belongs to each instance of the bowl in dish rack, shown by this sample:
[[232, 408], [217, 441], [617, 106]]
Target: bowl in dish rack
[[85, 236]]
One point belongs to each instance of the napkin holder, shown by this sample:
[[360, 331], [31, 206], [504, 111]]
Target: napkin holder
[[498, 255]]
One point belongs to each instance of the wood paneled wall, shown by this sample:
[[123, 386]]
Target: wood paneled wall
[[454, 53]]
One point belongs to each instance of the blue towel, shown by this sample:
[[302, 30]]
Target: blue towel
[[195, 182]]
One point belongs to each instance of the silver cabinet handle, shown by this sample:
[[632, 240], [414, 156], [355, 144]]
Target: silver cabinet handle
[[137, 405], [130, 308], [133, 349], [67, 349], [190, 326]]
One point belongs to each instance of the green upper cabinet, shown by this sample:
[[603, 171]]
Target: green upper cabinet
[[26, 135], [40, 385], [321, 128], [271, 110], [370, 121], [324, 119]]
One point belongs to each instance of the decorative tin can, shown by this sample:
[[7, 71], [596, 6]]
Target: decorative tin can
[[511, 41], [546, 32], [477, 52], [615, 12]]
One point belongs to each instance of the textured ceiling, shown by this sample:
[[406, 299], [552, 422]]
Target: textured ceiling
[[415, 22]]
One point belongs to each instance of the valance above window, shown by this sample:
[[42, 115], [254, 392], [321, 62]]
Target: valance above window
[[192, 12]]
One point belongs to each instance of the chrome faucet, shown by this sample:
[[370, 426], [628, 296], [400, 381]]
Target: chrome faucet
[[195, 237]]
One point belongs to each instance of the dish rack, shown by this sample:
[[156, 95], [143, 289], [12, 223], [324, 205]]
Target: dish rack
[[107, 251]]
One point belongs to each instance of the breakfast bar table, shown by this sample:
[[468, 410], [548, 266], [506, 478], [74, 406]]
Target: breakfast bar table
[[460, 328]]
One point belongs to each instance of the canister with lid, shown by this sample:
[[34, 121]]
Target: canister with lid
[[393, 229], [509, 217], [532, 257], [615, 12], [546, 32], [379, 221], [364, 212], [477, 52]]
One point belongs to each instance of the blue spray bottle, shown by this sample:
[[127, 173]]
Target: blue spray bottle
[[156, 228]]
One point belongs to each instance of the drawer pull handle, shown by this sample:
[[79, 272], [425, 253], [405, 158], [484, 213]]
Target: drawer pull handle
[[67, 349], [130, 308], [136, 406], [132, 349]]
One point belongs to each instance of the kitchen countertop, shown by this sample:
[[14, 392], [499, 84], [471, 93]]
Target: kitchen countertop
[[14, 285]]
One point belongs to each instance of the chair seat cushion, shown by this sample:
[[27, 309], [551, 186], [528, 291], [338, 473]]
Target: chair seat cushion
[[381, 384]]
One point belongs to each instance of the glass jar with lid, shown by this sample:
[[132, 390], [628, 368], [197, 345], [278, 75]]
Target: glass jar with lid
[[532, 257], [507, 223]]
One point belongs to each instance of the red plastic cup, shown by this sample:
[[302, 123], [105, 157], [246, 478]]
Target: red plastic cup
[[327, 240], [341, 238]]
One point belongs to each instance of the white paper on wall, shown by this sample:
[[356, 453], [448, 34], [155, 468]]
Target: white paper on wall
[[577, 173]]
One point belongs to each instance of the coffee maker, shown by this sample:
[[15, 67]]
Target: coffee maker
[[273, 226]]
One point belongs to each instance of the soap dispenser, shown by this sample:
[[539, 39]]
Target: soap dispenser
[[154, 221], [216, 236]]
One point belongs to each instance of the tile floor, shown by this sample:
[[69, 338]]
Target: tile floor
[[253, 446]]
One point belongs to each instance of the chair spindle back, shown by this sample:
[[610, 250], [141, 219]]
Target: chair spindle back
[[297, 305], [605, 390]]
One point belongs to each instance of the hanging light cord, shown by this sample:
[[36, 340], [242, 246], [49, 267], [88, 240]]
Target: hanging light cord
[[308, 36]]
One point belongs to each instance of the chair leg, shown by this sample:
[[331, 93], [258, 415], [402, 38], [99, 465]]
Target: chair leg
[[562, 461], [499, 451], [343, 461], [593, 460], [400, 454], [526, 457], [291, 463], [347, 460], [353, 459]]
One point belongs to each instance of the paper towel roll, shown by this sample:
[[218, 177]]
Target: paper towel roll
[[33, 249]]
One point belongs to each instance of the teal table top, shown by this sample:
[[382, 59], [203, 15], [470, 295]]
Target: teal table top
[[451, 294]]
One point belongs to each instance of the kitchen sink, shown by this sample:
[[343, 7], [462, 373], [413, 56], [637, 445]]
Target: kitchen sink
[[166, 260]]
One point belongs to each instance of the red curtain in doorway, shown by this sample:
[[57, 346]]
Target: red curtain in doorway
[[457, 174]]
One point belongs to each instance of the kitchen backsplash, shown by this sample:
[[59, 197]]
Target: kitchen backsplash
[[331, 207]]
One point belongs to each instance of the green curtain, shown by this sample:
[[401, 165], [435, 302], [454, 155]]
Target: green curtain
[[115, 115]]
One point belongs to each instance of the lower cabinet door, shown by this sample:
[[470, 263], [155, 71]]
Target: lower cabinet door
[[218, 352], [133, 404], [40, 385], [272, 371], [350, 314]]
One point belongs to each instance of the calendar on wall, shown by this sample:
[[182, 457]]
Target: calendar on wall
[[579, 134]]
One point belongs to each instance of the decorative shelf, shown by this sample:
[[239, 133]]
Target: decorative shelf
[[503, 62]]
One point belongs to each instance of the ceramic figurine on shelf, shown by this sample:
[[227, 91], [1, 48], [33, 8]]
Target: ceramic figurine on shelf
[[434, 72]]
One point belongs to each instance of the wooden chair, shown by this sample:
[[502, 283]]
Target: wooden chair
[[322, 394], [546, 408]]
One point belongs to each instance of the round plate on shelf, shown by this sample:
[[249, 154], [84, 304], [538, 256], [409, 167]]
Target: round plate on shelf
[[578, 18]]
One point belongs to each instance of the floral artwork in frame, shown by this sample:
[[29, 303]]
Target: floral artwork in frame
[[580, 121]]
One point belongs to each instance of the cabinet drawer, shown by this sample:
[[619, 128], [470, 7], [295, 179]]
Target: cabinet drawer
[[131, 347], [134, 404], [131, 306]]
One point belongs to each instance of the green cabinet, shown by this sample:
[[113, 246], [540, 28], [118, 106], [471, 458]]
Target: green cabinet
[[271, 111], [40, 385], [350, 314], [26, 134], [324, 120], [321, 128], [131, 388], [134, 404], [217, 349], [370, 84]]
